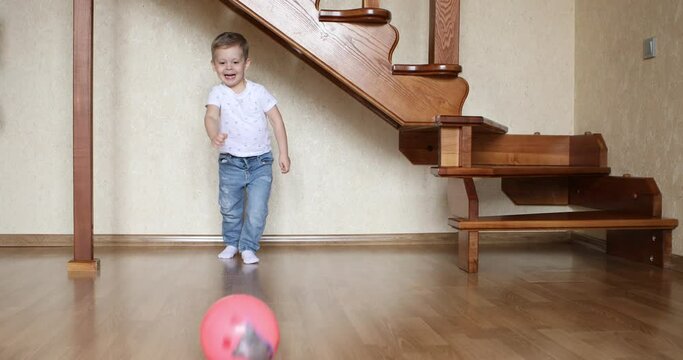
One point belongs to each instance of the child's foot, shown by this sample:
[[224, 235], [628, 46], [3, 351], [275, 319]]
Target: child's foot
[[228, 253], [249, 257]]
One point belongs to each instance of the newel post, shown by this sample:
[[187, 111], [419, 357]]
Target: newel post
[[82, 137], [444, 31]]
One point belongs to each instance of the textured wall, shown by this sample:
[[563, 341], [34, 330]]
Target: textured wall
[[635, 103], [518, 57], [154, 170], [35, 116]]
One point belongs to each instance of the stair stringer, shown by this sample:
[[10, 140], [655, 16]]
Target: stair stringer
[[356, 57]]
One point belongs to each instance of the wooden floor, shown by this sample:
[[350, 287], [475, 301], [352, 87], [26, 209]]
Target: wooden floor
[[542, 301]]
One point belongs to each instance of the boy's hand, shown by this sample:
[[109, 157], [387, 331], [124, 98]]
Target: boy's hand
[[219, 140], [284, 163]]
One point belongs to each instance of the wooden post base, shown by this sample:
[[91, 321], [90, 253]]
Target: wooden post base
[[645, 246], [83, 266], [468, 251]]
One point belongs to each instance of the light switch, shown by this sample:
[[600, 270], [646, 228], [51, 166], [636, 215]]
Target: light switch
[[649, 48]]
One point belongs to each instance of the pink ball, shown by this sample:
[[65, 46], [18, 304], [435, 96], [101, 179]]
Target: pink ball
[[239, 327]]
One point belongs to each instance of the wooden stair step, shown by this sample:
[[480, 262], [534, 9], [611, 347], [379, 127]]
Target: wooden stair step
[[476, 146], [374, 16], [512, 170], [421, 143], [564, 220], [462, 142], [479, 124], [442, 70]]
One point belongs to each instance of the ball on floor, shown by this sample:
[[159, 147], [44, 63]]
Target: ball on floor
[[239, 327]]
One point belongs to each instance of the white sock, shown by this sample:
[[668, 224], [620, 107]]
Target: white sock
[[249, 257], [228, 252]]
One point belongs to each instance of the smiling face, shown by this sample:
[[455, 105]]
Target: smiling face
[[230, 66]]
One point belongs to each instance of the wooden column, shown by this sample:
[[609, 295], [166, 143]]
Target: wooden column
[[82, 137], [463, 202], [455, 146], [371, 3], [649, 246], [444, 32]]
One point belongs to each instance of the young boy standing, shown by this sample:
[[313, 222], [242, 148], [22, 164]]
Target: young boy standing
[[235, 121]]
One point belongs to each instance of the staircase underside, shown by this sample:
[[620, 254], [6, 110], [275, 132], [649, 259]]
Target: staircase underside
[[357, 57]]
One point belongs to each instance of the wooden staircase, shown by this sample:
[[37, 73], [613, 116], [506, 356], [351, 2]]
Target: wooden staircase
[[539, 170], [353, 48], [357, 57]]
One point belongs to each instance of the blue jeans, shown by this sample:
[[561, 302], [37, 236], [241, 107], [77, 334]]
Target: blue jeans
[[244, 190]]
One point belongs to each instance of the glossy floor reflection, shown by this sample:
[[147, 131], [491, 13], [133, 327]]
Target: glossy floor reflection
[[542, 301]]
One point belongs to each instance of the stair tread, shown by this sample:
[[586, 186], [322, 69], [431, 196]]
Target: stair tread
[[451, 70], [513, 170], [478, 123], [362, 15], [565, 220]]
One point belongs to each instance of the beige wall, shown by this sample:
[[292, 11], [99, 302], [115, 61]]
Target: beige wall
[[154, 170], [517, 56], [636, 104]]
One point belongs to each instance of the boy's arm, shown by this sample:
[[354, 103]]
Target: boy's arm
[[212, 128], [281, 136]]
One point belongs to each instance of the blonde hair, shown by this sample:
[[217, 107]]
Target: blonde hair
[[228, 39]]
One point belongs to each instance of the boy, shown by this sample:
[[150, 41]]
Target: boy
[[235, 121]]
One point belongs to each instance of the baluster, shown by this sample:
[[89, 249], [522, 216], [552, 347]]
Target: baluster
[[444, 31]]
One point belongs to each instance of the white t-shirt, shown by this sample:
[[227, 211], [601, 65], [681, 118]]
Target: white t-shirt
[[243, 118]]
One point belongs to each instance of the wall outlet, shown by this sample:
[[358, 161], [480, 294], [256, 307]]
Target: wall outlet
[[649, 48]]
